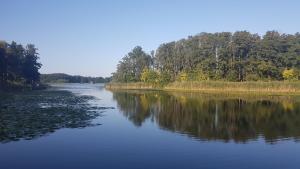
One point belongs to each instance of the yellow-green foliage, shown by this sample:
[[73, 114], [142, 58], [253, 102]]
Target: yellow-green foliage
[[164, 78], [149, 76], [290, 74], [191, 76], [197, 75], [144, 75], [183, 77]]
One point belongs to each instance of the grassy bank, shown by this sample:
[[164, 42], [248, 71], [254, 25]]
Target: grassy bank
[[274, 87]]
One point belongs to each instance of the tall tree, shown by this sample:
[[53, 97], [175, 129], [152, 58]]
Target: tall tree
[[132, 65], [30, 67], [18, 65], [3, 62]]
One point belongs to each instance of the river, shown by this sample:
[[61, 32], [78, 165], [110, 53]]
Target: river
[[84, 126]]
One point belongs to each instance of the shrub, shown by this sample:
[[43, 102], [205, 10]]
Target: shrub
[[290, 74]]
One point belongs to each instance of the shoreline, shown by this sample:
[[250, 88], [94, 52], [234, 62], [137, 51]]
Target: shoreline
[[257, 88]]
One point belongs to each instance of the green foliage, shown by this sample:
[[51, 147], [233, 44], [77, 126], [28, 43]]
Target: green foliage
[[18, 65], [164, 78], [183, 77], [132, 65], [195, 75], [238, 56], [266, 70], [199, 76], [232, 75], [149, 76], [252, 77], [30, 70]]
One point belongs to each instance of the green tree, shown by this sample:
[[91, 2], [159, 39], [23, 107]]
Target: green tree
[[132, 65], [150, 76], [238, 56], [3, 63], [15, 55], [18, 65], [31, 66]]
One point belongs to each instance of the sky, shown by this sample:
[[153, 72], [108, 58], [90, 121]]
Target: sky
[[90, 37]]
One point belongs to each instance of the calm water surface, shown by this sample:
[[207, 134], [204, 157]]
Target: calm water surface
[[134, 129]]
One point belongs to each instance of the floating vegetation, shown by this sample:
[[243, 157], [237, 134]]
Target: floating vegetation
[[34, 114]]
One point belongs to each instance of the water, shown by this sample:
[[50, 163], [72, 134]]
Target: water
[[136, 129]]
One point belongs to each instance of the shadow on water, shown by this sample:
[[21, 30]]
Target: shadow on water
[[213, 117], [34, 114]]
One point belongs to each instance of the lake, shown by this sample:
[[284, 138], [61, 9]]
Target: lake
[[84, 126]]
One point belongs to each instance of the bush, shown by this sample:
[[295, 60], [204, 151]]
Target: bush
[[252, 77], [183, 77], [290, 74], [232, 75], [164, 78], [149, 76]]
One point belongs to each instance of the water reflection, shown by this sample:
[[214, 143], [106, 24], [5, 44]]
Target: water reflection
[[208, 117], [35, 114]]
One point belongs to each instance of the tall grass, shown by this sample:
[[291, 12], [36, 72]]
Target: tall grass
[[273, 86], [219, 86], [130, 86]]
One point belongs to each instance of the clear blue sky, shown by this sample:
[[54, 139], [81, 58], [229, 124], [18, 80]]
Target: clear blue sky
[[89, 37]]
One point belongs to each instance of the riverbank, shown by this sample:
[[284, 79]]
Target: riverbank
[[273, 87], [13, 86]]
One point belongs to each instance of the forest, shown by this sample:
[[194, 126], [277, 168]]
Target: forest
[[65, 78], [19, 66], [225, 56]]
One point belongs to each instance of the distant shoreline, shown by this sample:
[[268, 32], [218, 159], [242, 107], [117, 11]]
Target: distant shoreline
[[257, 88], [65, 78]]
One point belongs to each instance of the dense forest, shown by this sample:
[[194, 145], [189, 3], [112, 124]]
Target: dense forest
[[64, 78], [19, 65], [238, 56]]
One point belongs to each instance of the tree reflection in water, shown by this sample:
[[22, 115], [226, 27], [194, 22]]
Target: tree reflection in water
[[35, 114], [212, 117]]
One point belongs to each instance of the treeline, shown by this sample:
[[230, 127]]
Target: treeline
[[19, 66], [239, 56], [64, 78]]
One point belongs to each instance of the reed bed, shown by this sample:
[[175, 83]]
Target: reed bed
[[130, 86], [272, 87]]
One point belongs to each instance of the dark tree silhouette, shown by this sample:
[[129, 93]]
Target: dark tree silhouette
[[19, 66]]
